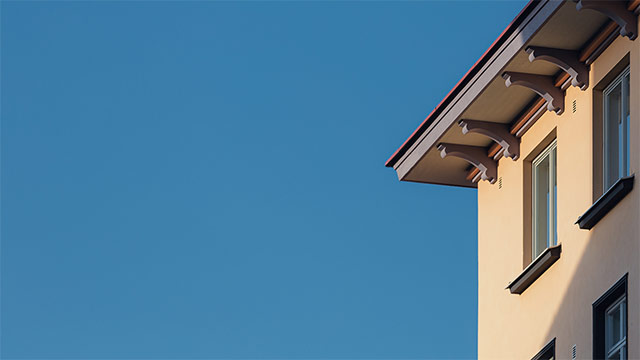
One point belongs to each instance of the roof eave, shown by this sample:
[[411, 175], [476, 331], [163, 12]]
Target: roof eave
[[497, 44]]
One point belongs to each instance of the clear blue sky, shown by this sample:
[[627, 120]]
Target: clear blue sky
[[206, 179]]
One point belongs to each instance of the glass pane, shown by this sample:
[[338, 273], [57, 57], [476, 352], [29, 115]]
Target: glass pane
[[623, 318], [613, 335], [612, 122], [554, 185], [624, 129], [542, 205], [626, 145]]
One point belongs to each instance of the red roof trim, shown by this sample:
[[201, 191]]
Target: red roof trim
[[465, 79]]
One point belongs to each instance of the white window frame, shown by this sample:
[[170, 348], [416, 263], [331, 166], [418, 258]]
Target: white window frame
[[621, 345], [623, 131], [551, 235]]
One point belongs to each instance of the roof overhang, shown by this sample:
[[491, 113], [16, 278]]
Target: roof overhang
[[483, 116]]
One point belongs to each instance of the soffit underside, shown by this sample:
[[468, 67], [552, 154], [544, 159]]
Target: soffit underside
[[497, 103]]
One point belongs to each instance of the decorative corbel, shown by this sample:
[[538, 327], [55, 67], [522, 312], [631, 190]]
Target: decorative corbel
[[616, 11], [497, 132], [543, 85], [566, 60], [474, 155]]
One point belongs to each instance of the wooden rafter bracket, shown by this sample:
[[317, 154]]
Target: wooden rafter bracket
[[543, 85], [497, 132], [566, 60], [474, 155], [616, 11], [588, 53], [518, 128]]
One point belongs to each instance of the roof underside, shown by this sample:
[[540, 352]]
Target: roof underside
[[484, 96]]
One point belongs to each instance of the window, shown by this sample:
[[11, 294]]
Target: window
[[616, 130], [615, 330], [540, 241], [611, 176], [610, 323], [544, 201]]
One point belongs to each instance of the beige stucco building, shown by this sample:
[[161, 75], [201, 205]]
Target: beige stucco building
[[546, 125]]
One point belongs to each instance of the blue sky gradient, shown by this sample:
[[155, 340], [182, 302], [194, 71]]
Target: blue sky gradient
[[206, 179]]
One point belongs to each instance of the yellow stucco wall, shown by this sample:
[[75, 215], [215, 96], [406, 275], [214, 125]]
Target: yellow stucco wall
[[559, 303]]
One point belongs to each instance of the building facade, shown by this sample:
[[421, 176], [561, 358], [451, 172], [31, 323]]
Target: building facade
[[546, 126]]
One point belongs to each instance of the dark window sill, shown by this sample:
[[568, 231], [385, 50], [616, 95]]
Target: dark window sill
[[605, 203], [532, 272]]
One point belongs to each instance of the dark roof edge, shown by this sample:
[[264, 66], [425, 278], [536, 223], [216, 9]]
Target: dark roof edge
[[465, 79]]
